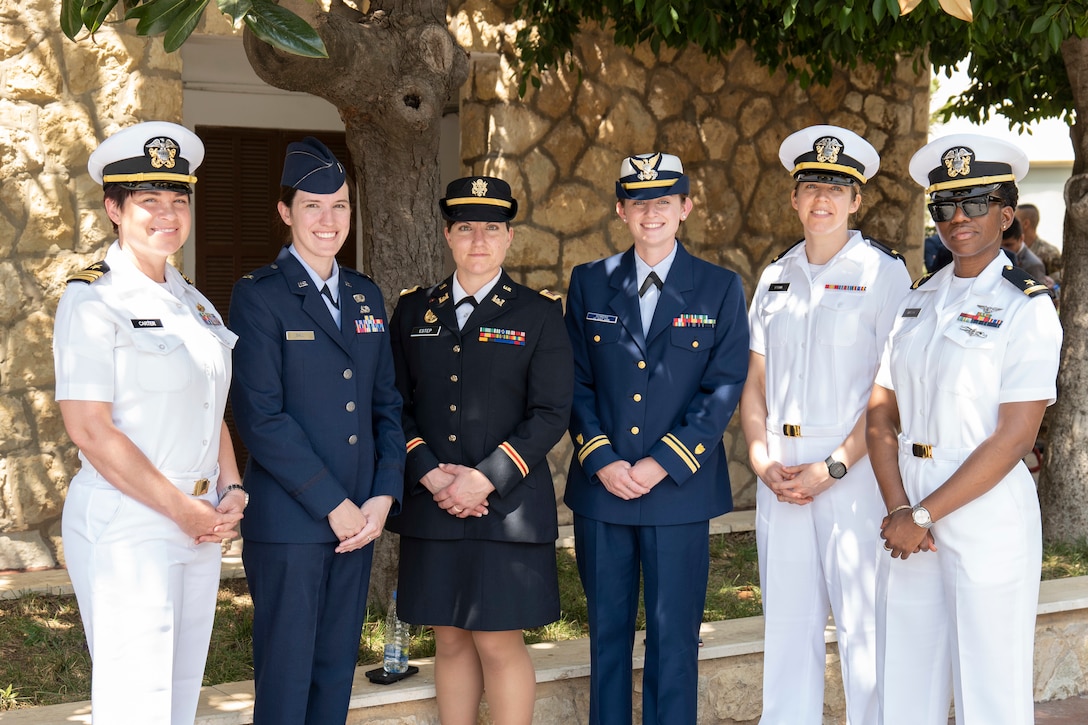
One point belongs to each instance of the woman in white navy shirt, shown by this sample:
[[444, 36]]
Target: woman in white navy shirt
[[143, 366], [819, 318], [966, 376]]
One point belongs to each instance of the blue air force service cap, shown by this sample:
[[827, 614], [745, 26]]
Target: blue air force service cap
[[478, 199], [829, 155], [966, 161], [155, 155], [310, 166], [649, 176]]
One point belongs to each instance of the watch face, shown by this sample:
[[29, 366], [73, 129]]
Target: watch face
[[837, 469], [921, 517]]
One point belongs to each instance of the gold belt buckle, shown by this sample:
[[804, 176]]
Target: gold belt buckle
[[200, 487], [922, 450], [793, 431]]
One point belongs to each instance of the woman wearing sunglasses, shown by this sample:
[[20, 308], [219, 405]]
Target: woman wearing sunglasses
[[967, 373]]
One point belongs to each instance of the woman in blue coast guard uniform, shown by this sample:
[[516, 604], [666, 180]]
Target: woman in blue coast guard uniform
[[316, 406], [485, 368], [660, 355], [143, 365], [966, 376], [819, 318]]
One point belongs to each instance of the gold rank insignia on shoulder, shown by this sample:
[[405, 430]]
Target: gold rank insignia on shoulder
[[409, 291], [553, 296], [430, 317], [247, 276], [186, 278], [89, 274]]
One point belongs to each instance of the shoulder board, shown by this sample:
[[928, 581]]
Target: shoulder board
[[90, 274], [786, 251], [260, 273], [553, 296], [410, 290], [922, 280], [876, 244], [186, 278], [1023, 282]]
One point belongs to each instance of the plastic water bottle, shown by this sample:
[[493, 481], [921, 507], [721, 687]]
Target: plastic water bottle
[[396, 641]]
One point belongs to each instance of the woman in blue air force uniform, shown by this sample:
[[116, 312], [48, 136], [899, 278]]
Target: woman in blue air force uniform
[[316, 406]]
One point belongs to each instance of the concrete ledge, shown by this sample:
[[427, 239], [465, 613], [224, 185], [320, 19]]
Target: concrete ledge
[[730, 672]]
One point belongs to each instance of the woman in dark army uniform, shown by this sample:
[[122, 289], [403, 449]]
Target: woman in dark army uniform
[[484, 366]]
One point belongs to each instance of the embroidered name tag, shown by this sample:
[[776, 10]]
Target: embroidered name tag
[[432, 331], [299, 334], [369, 324], [912, 311], [779, 287], [601, 317], [846, 287], [694, 321], [507, 337], [141, 324]]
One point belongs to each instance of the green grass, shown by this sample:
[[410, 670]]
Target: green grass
[[44, 659]]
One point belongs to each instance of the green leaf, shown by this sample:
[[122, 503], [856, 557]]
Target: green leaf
[[236, 9], [1041, 23], [95, 14], [282, 29], [789, 16], [183, 26], [879, 9], [71, 17], [155, 17]]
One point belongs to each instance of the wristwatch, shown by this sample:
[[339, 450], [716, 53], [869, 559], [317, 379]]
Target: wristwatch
[[921, 516], [836, 469], [236, 487]]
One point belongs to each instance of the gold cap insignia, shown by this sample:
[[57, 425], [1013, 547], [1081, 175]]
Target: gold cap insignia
[[827, 150], [162, 152], [647, 170], [479, 187], [957, 161]]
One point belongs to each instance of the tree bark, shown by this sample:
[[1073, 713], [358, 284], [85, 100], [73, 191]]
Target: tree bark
[[390, 73], [1063, 485]]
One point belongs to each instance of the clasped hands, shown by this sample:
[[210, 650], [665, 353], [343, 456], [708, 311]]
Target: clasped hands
[[902, 537], [205, 523], [357, 526], [627, 481], [459, 490], [799, 484]]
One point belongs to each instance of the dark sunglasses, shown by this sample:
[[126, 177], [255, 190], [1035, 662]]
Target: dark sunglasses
[[972, 206]]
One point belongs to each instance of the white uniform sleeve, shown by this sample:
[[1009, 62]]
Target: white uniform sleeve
[[84, 338], [1029, 369]]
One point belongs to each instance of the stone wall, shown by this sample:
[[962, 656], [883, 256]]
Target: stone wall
[[58, 99], [560, 148]]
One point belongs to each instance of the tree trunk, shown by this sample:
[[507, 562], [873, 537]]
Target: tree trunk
[[390, 72], [1063, 486]]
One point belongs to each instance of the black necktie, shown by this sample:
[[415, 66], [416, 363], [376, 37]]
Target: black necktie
[[325, 291], [467, 300], [651, 279]]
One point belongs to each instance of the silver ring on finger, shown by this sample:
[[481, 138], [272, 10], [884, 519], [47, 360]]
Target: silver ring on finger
[[887, 548]]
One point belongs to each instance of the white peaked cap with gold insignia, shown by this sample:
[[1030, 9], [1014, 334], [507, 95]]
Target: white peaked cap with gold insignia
[[150, 155], [829, 155], [967, 160]]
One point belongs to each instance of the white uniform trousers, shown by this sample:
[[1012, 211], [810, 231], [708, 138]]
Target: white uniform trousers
[[962, 618], [147, 599], [812, 559]]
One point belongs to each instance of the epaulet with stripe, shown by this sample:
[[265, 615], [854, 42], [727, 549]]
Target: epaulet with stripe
[[786, 251], [1023, 282], [553, 296], [410, 290], [351, 271], [877, 244], [922, 280], [90, 274], [186, 278]]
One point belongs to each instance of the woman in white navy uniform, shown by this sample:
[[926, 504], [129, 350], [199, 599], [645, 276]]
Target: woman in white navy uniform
[[818, 321], [967, 373], [143, 367]]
